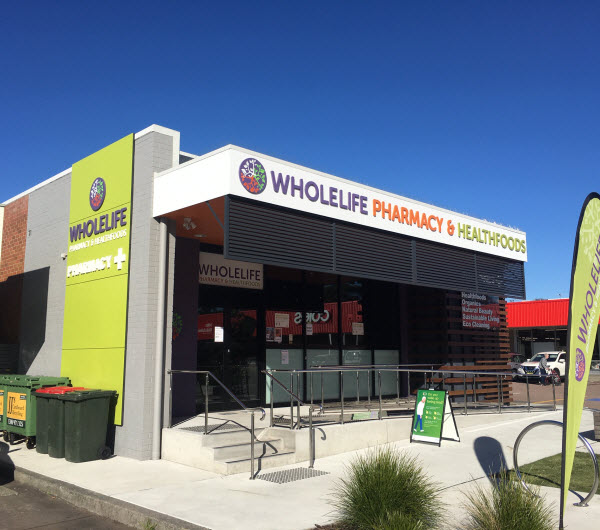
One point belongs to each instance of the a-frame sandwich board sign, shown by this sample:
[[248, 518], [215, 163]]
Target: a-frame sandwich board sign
[[433, 418]]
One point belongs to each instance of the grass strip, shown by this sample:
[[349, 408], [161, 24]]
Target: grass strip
[[546, 472]]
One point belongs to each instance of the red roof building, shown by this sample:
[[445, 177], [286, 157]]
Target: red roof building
[[539, 325]]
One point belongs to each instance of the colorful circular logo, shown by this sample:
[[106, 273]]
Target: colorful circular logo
[[579, 365], [97, 193], [253, 176]]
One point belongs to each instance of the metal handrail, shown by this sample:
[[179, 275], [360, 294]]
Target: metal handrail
[[386, 368], [231, 394], [498, 376], [311, 432], [251, 411]]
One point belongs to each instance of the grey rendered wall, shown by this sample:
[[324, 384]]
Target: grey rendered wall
[[153, 153], [44, 276]]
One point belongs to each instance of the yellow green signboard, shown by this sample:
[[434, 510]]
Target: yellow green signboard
[[95, 320], [584, 310]]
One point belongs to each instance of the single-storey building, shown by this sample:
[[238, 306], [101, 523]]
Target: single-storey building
[[142, 258]]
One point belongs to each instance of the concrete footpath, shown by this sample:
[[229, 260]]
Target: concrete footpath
[[140, 493]]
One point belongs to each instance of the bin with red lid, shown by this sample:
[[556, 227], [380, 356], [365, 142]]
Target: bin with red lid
[[50, 420]]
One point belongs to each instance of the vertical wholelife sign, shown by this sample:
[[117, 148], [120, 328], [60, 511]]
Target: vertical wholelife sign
[[584, 301], [95, 317]]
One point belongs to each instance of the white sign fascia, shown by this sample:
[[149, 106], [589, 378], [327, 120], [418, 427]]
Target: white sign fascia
[[217, 174], [303, 189]]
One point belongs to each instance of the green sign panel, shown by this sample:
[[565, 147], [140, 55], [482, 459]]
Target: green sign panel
[[433, 414], [95, 320], [429, 416]]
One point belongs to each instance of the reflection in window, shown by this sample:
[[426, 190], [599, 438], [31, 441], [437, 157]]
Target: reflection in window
[[243, 324], [353, 327], [208, 319], [283, 328], [322, 312]]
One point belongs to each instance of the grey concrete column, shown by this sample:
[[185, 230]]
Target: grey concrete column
[[159, 351]]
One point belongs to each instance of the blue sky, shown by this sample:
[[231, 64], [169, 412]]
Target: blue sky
[[487, 108]]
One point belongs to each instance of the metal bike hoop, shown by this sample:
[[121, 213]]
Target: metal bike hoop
[[587, 445]]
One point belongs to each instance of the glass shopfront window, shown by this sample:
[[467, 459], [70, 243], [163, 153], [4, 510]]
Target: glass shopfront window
[[284, 330], [356, 348], [299, 320], [354, 334], [322, 336]]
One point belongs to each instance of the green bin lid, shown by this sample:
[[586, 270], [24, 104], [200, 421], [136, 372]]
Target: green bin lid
[[35, 381]]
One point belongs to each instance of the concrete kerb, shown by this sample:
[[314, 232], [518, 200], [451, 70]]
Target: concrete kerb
[[97, 503]]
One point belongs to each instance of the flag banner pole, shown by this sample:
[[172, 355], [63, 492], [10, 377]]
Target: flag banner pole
[[584, 303]]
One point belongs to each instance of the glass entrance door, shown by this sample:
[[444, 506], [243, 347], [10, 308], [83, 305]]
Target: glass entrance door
[[228, 346]]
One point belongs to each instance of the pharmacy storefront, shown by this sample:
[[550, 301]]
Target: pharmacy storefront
[[142, 258], [294, 269]]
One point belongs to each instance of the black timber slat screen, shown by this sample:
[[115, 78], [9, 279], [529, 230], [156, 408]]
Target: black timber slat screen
[[500, 277], [372, 254], [445, 267], [276, 236]]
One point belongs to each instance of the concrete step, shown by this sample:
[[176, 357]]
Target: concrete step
[[242, 450], [225, 437], [228, 451], [260, 463]]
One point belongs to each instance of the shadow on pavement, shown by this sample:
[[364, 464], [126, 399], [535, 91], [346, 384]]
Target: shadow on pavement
[[490, 456], [7, 467]]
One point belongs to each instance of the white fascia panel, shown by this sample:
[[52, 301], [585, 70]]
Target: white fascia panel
[[195, 182], [357, 204], [217, 174]]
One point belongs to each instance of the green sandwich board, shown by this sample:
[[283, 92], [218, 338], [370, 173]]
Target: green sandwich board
[[433, 415]]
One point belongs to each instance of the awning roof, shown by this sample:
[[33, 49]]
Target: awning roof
[[180, 192]]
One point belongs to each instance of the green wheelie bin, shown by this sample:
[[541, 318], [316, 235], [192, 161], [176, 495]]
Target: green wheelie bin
[[50, 420], [87, 414], [3, 380], [20, 407]]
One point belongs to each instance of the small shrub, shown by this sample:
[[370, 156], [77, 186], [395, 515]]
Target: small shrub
[[398, 521], [387, 490], [508, 505]]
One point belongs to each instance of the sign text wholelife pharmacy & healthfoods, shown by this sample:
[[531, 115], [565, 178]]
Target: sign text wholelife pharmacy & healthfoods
[[233, 171], [322, 195]]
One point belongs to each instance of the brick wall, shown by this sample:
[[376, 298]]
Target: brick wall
[[14, 239]]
